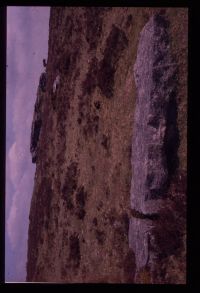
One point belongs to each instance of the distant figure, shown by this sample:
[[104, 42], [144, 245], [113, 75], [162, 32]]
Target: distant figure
[[44, 63]]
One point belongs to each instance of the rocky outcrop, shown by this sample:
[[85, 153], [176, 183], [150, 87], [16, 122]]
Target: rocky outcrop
[[154, 152], [94, 217], [37, 118]]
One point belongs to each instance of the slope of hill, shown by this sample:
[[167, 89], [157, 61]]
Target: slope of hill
[[81, 204]]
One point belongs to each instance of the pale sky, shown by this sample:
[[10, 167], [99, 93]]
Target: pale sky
[[27, 45]]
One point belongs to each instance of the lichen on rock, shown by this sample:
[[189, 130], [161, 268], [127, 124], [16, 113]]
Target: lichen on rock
[[155, 82], [155, 73]]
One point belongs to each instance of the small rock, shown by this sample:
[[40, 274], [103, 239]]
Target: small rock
[[56, 83]]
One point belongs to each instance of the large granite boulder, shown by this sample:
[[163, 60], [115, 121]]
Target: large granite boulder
[[154, 145]]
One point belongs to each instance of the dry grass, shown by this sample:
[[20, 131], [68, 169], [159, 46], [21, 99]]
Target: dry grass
[[81, 124]]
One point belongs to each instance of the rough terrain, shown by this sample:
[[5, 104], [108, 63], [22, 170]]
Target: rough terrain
[[81, 205]]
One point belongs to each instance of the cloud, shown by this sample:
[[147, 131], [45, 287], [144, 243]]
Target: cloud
[[27, 32], [11, 220], [17, 224], [13, 165]]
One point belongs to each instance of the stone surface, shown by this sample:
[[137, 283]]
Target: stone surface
[[81, 208], [156, 82], [37, 118], [155, 144], [56, 83]]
